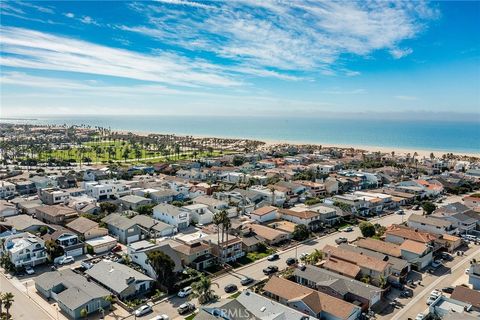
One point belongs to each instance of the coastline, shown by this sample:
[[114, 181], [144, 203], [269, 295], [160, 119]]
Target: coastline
[[269, 142]]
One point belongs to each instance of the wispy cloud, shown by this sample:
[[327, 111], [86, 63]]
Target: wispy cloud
[[342, 92], [24, 48], [301, 36], [407, 98]]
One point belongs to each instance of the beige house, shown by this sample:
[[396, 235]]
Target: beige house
[[87, 228]]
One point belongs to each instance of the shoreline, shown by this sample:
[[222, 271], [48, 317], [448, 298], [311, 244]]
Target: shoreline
[[271, 142]]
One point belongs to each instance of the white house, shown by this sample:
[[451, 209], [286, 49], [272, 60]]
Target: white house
[[24, 249], [264, 214], [7, 209], [431, 224], [105, 189], [199, 213], [7, 189], [172, 215], [279, 197], [212, 203]]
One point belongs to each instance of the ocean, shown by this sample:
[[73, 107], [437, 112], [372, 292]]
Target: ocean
[[450, 136]]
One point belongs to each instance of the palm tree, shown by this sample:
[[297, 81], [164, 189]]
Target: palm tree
[[382, 281], [202, 289], [110, 299], [217, 220], [272, 189], [1, 303], [7, 302], [315, 257]]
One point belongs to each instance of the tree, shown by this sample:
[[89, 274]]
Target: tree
[[108, 207], [300, 232], [83, 313], [202, 289], [54, 249], [145, 209], [110, 299], [43, 230], [7, 302], [428, 207], [315, 257], [382, 281], [163, 267], [217, 220], [1, 304], [367, 229]]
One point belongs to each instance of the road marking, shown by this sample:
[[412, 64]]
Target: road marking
[[432, 285]]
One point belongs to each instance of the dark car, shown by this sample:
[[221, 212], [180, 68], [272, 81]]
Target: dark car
[[246, 280], [273, 257], [230, 288], [186, 308], [341, 240], [448, 289], [406, 293], [291, 261], [398, 285], [270, 270], [447, 256]]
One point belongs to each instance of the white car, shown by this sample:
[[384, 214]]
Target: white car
[[347, 229], [161, 317], [467, 271], [430, 300], [29, 270], [66, 260], [143, 310], [184, 292], [435, 293], [420, 316]]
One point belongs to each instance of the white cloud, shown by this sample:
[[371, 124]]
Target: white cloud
[[88, 20], [70, 15], [186, 3], [344, 92], [298, 35], [406, 98], [398, 53], [22, 48]]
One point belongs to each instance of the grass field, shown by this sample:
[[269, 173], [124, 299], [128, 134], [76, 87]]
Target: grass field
[[118, 151]]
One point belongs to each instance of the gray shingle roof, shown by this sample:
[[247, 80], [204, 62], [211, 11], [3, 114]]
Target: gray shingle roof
[[114, 275], [118, 221], [78, 289], [168, 209], [337, 282]]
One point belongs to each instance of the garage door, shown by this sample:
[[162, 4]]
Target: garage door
[[133, 238], [75, 252]]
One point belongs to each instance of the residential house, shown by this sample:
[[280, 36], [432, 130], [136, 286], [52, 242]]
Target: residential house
[[163, 196], [386, 248], [138, 253], [275, 197], [311, 219], [102, 190], [44, 182], [86, 228], [398, 234], [7, 190], [101, 244], [418, 254], [356, 204], [339, 286], [29, 206], [368, 266], [311, 302], [196, 254], [252, 306], [329, 214], [472, 201], [24, 249], [264, 214], [431, 224], [72, 292], [7, 209], [213, 204], [172, 215], [25, 187], [449, 309], [315, 189], [199, 213], [269, 235], [123, 281], [225, 250], [57, 214], [474, 275], [68, 240], [23, 222], [122, 228], [154, 228], [132, 202], [467, 295], [51, 196]]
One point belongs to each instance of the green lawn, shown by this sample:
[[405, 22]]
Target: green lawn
[[106, 151], [235, 295], [190, 317]]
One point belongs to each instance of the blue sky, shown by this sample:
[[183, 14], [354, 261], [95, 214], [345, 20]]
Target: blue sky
[[240, 58]]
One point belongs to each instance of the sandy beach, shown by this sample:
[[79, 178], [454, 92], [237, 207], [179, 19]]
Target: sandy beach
[[398, 151]]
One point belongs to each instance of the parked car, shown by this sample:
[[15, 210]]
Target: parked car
[[447, 256], [273, 257], [420, 316], [341, 240], [186, 308], [301, 266], [406, 293], [417, 207], [246, 280], [143, 310], [398, 285], [117, 248], [66, 260], [160, 317], [448, 289], [431, 299], [400, 212], [230, 288], [184, 292], [86, 264], [291, 261], [436, 263], [347, 229], [303, 255], [29, 270], [467, 271], [270, 270]]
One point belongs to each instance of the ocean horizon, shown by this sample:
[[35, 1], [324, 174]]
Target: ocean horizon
[[448, 136]]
